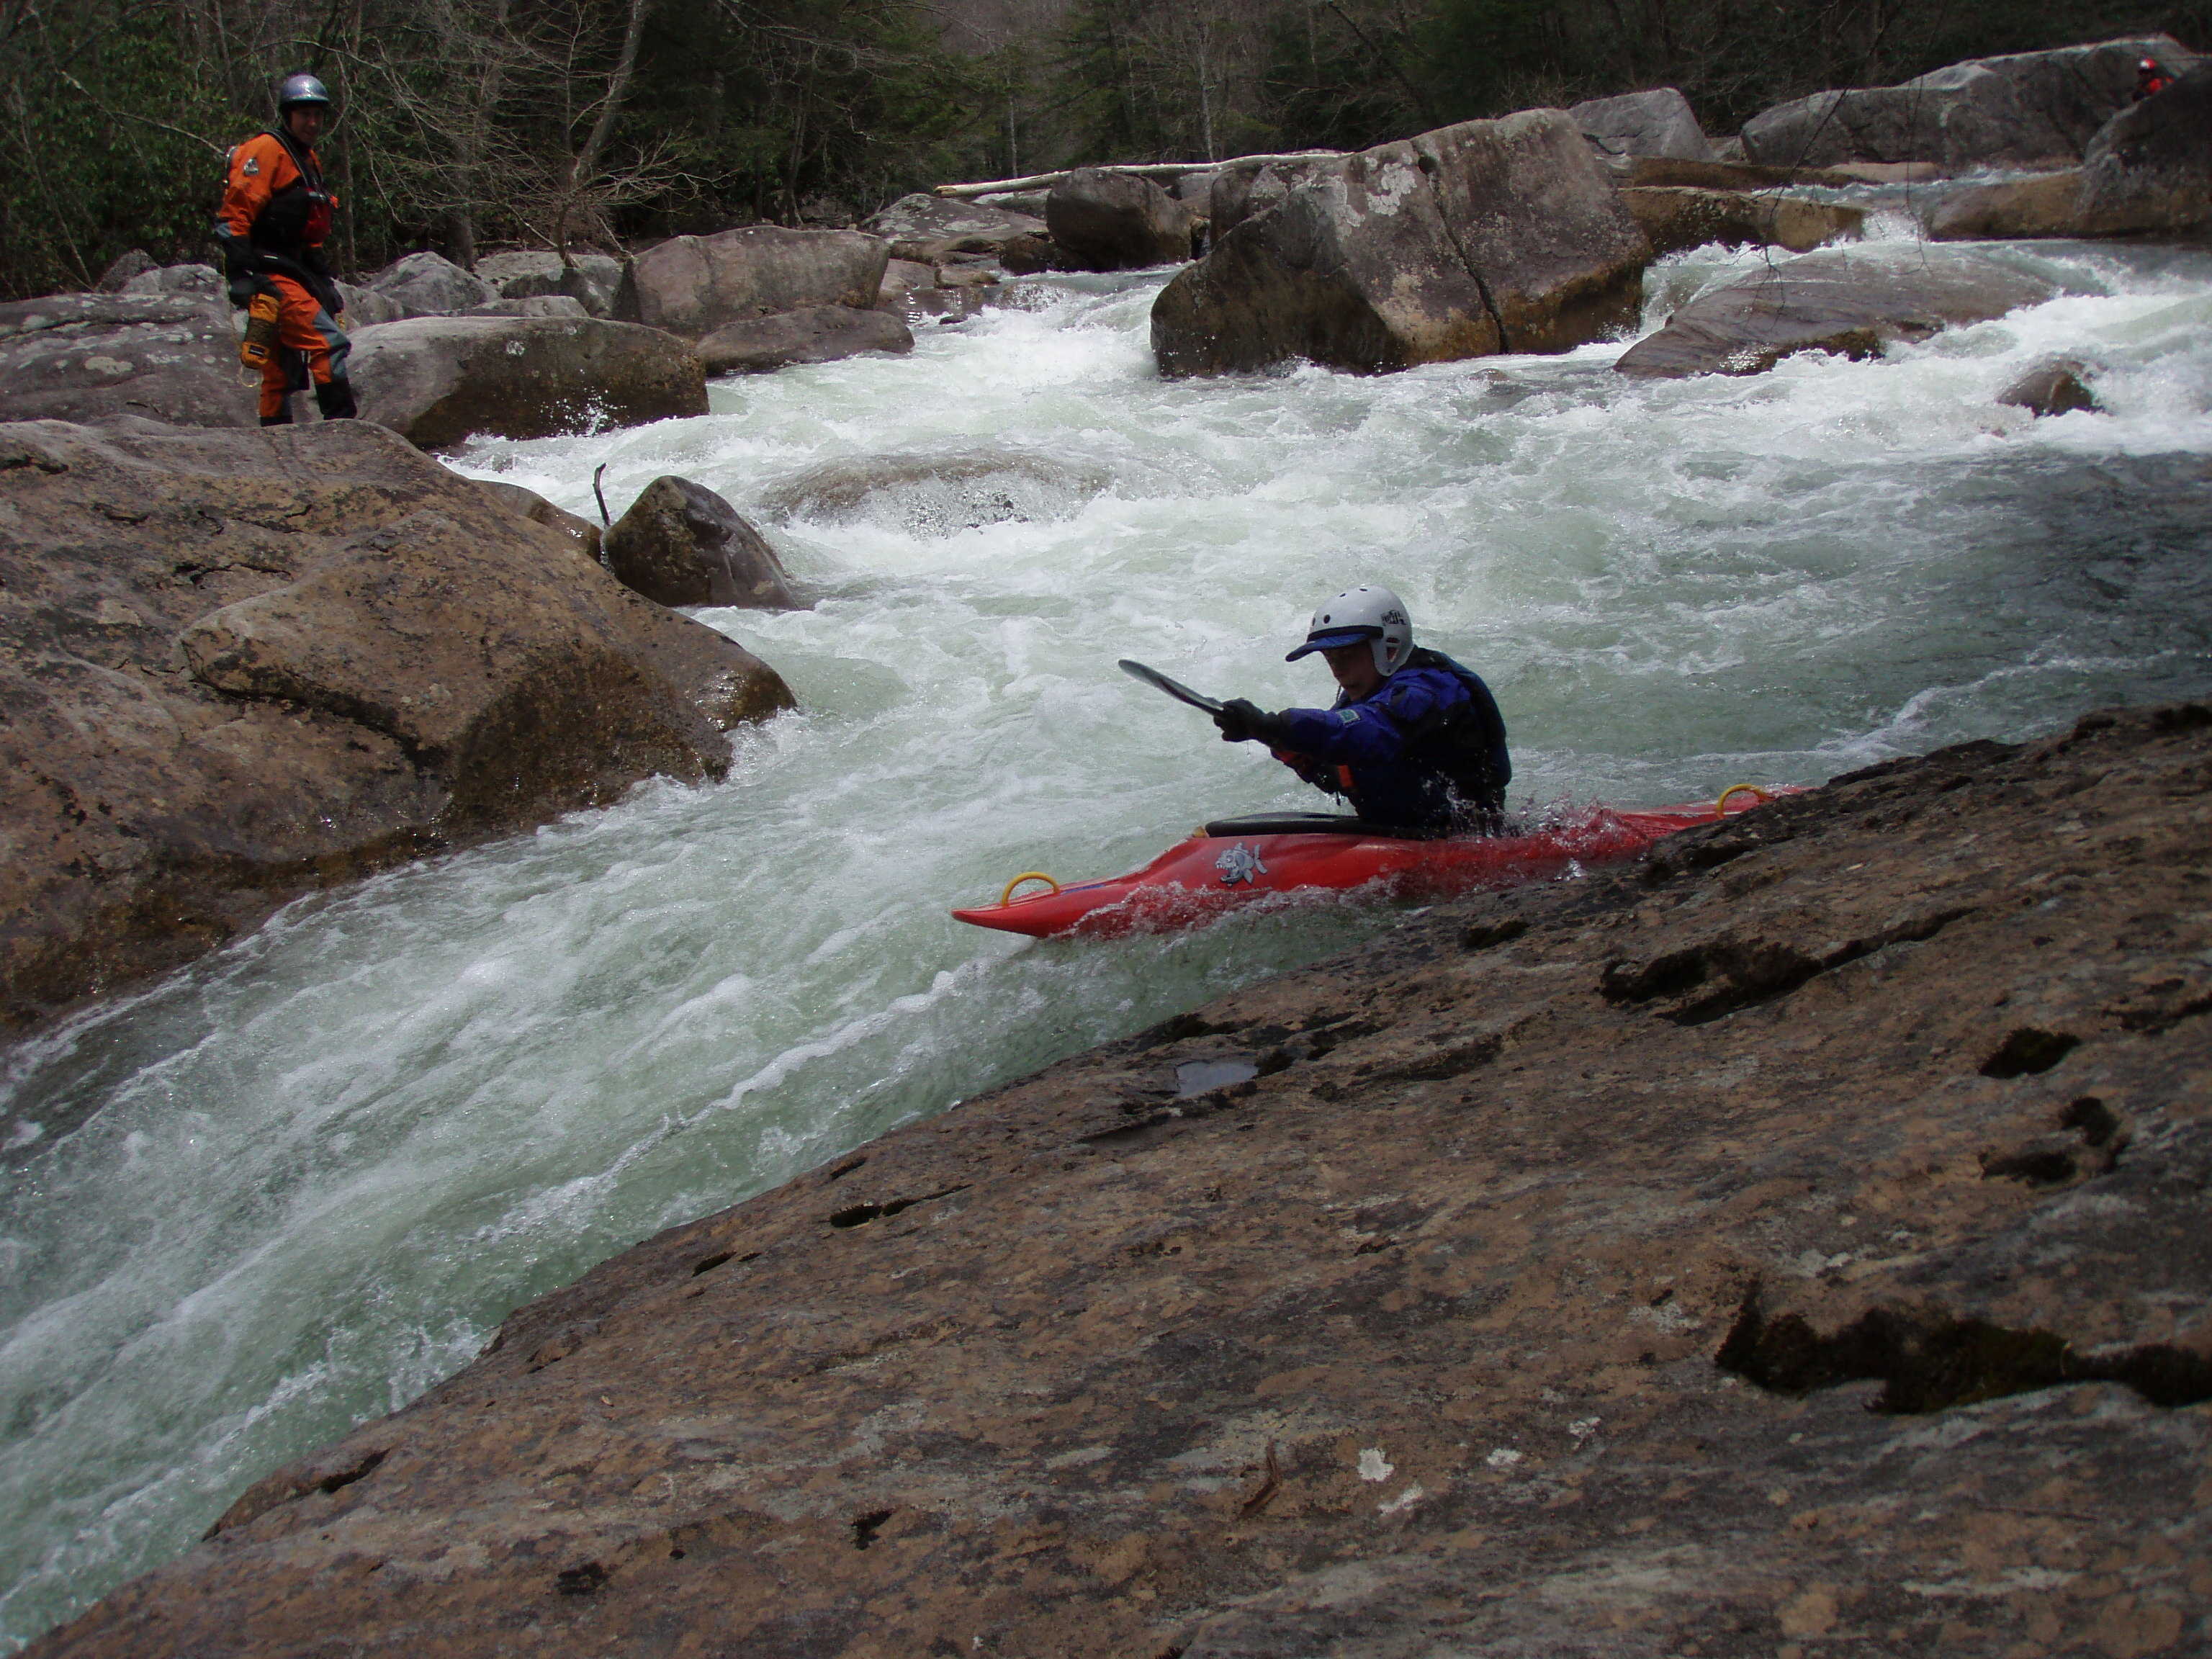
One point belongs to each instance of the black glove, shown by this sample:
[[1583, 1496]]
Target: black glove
[[239, 275], [1245, 721], [242, 290]]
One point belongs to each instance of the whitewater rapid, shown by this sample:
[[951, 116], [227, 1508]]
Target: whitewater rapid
[[292, 1186]]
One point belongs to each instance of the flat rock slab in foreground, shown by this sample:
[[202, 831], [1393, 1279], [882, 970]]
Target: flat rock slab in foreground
[[237, 666], [437, 380], [1485, 237], [1527, 1296], [1849, 304]]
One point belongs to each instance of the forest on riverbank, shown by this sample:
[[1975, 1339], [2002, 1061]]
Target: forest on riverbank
[[469, 123]]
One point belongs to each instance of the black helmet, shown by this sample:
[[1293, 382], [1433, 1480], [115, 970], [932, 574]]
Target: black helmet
[[300, 90]]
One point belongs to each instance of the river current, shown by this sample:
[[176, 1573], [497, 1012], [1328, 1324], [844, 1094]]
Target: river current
[[289, 1188]]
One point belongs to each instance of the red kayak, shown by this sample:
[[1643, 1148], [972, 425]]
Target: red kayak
[[1238, 860]]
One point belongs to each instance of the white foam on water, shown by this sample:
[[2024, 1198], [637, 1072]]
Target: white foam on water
[[291, 1186]]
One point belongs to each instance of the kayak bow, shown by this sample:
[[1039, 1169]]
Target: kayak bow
[[1220, 869]]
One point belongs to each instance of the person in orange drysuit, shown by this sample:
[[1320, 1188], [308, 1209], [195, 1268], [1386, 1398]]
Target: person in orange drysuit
[[2151, 79], [275, 213]]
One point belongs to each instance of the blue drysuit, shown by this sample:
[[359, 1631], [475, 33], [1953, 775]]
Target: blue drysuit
[[1424, 750]]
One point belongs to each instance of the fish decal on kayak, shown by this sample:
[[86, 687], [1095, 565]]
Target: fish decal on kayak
[[1240, 863]]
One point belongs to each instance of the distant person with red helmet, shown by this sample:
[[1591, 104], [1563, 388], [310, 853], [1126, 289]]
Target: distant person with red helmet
[[276, 215], [2151, 79]]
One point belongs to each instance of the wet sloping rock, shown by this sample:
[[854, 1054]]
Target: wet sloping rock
[[1676, 218], [580, 534], [1488, 236], [431, 285], [681, 544], [813, 334], [1526, 1296], [1116, 221], [168, 357], [2029, 108], [1848, 303], [938, 495], [2043, 204], [594, 280], [1666, 171], [440, 379], [694, 285], [1656, 122], [241, 664], [931, 228]]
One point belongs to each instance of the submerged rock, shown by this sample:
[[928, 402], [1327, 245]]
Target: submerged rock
[[1676, 219], [693, 285], [1659, 122], [1850, 304], [238, 665], [170, 357], [1485, 237], [2020, 110], [815, 334], [440, 379], [1116, 221], [2055, 387], [681, 544], [939, 495], [1528, 1296]]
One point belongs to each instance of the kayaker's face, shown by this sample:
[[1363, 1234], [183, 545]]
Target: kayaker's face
[[1354, 667]]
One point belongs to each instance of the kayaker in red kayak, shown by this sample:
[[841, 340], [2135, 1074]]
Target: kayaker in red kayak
[[1414, 740]]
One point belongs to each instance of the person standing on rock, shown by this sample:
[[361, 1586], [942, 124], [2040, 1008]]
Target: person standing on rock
[[2151, 79], [276, 214], [1414, 741]]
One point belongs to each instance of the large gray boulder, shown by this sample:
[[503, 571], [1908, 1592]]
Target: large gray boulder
[[2149, 171], [1849, 304], [440, 379], [132, 263], [814, 334], [534, 305], [693, 285], [1656, 122], [1485, 237], [681, 544], [1676, 219], [170, 357], [1116, 221], [593, 280], [431, 285], [931, 228], [362, 306], [1238, 190], [2029, 108], [203, 279], [2150, 168], [373, 660]]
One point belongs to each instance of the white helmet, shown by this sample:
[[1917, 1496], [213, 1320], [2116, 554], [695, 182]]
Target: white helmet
[[1365, 612]]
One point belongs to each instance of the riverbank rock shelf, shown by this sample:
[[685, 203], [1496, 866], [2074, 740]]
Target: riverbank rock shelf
[[1797, 1241]]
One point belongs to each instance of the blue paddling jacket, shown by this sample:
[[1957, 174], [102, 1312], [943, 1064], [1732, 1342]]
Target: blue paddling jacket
[[1425, 751]]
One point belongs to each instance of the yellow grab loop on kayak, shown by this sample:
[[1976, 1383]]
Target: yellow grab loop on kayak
[[1720, 806], [1007, 897]]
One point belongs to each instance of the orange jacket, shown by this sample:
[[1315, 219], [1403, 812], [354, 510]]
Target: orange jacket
[[261, 170]]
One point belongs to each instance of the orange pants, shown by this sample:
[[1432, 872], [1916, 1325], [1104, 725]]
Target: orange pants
[[304, 330]]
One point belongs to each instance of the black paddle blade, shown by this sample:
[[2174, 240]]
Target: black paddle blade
[[1176, 689]]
